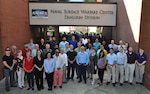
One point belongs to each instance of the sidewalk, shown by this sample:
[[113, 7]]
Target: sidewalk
[[80, 88]]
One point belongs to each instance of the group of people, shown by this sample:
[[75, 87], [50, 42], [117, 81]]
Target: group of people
[[59, 60]]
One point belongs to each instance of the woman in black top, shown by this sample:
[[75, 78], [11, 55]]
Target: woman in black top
[[38, 64]]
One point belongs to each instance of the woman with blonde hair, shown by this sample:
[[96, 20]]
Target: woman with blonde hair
[[29, 69], [93, 64], [20, 71]]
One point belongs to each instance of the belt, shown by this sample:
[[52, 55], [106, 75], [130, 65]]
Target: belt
[[82, 63], [120, 64]]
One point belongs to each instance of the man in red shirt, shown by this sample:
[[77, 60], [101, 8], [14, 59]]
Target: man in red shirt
[[25, 50]]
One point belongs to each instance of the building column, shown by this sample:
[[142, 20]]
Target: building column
[[56, 33]]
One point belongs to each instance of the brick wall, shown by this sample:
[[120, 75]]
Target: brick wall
[[123, 29], [14, 27], [145, 38]]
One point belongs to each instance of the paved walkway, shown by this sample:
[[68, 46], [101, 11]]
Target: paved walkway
[[81, 88]]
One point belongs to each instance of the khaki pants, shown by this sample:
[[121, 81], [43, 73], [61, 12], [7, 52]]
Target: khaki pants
[[120, 71], [139, 71], [129, 72], [111, 72], [64, 73]]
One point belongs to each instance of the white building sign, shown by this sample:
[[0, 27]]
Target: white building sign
[[89, 14]]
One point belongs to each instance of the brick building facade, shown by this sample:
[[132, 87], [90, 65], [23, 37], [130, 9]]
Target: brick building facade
[[15, 28], [14, 25], [145, 38]]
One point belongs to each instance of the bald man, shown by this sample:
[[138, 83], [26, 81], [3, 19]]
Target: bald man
[[130, 67], [82, 60]]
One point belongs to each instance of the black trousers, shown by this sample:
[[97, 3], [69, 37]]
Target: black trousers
[[30, 78], [101, 74], [70, 66], [82, 72], [49, 78], [39, 79], [77, 69]]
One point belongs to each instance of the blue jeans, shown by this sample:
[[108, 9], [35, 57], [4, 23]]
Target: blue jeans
[[8, 78]]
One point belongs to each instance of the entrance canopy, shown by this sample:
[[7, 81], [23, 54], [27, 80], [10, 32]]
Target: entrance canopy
[[85, 14]]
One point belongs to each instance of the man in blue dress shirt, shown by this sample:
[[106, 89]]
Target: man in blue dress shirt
[[82, 60], [111, 59], [120, 65], [113, 45]]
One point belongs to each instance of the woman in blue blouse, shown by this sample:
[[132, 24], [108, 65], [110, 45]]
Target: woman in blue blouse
[[49, 70]]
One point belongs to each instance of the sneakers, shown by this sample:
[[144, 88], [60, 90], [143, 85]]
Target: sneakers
[[92, 83]]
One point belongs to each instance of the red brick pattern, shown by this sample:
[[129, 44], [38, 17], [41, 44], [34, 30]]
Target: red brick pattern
[[14, 24], [145, 38], [123, 29], [14, 28]]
